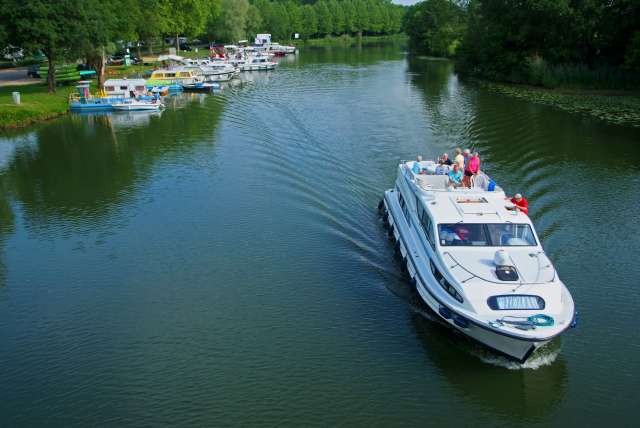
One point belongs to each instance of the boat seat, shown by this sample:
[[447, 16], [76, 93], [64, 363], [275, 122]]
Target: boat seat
[[432, 182]]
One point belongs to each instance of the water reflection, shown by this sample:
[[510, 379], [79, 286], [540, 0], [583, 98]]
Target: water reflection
[[513, 394], [80, 168]]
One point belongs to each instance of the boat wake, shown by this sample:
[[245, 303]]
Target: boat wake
[[541, 358]]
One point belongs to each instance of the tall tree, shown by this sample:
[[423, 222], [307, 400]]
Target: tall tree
[[325, 20], [53, 27], [231, 23], [309, 21], [254, 22], [188, 17]]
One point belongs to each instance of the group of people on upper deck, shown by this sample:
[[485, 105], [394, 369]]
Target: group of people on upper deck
[[460, 171]]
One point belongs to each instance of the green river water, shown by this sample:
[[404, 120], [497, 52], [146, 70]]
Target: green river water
[[223, 263]]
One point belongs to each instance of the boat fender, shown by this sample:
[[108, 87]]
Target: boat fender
[[385, 217], [445, 312], [574, 322], [381, 205], [461, 322], [391, 233], [396, 247], [541, 320]]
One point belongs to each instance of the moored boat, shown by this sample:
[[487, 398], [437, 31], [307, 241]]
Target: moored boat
[[258, 63], [135, 105], [475, 262]]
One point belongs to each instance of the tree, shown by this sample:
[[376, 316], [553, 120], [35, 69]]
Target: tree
[[254, 22], [149, 22], [231, 23], [337, 15], [53, 27], [325, 20], [309, 21], [350, 19], [362, 17], [188, 17], [435, 27]]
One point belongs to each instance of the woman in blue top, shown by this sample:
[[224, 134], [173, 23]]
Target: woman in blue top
[[455, 175]]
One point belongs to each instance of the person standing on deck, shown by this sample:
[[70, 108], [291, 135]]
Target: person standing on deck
[[446, 160], [459, 159], [473, 168]]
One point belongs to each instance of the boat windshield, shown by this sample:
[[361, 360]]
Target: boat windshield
[[486, 235]]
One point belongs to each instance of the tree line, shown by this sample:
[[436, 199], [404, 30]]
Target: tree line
[[540, 42], [308, 18], [92, 29]]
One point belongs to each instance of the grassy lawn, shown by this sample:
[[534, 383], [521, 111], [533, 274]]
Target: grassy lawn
[[36, 104]]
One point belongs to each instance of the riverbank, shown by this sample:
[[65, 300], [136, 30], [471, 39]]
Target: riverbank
[[36, 105], [617, 107], [347, 40]]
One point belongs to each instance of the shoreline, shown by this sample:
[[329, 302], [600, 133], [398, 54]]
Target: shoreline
[[618, 107]]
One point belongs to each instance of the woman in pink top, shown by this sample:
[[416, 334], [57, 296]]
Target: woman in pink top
[[473, 167]]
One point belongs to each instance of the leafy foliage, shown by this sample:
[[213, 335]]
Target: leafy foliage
[[435, 27]]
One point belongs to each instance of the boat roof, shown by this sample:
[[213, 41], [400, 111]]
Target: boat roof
[[462, 205], [123, 82], [177, 58]]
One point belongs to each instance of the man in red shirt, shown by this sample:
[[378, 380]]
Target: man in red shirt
[[520, 203]]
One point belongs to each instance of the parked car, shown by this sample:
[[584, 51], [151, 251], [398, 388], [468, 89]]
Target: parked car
[[185, 47], [118, 58], [34, 71]]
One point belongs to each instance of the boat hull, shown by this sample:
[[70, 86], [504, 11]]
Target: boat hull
[[508, 345], [136, 107]]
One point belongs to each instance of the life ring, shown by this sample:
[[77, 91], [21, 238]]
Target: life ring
[[541, 320]]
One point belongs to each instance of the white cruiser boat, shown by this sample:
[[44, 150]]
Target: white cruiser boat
[[138, 105], [478, 264], [258, 63]]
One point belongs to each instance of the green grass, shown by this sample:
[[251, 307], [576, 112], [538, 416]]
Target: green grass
[[36, 105], [617, 107]]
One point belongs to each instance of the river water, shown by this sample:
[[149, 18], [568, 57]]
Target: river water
[[223, 263]]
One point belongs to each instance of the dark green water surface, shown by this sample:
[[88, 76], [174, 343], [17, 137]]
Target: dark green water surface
[[224, 264]]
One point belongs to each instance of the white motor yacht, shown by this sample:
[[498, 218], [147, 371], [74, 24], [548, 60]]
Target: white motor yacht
[[475, 261], [138, 105], [258, 63]]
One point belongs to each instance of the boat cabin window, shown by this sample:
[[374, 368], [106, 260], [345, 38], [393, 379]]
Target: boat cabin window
[[109, 88], [486, 235], [516, 302], [405, 208], [425, 220]]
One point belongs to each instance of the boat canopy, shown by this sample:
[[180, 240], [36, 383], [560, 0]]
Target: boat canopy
[[176, 58]]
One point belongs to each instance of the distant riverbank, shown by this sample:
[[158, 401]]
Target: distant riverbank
[[617, 107], [347, 40]]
